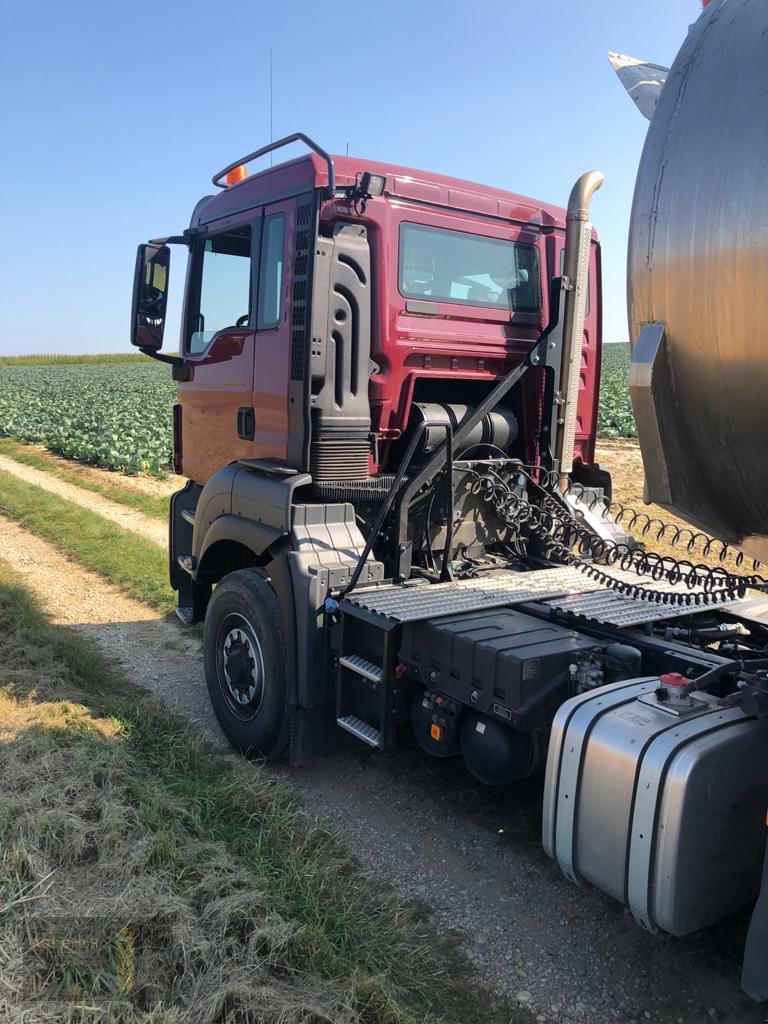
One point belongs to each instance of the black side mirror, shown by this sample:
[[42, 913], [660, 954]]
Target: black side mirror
[[150, 296]]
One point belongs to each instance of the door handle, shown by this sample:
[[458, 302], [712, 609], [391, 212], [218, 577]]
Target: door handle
[[246, 422]]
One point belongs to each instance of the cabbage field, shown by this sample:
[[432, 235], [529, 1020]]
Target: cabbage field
[[616, 418], [117, 414]]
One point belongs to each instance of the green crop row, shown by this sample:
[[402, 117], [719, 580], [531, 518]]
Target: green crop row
[[65, 360], [615, 417], [118, 414]]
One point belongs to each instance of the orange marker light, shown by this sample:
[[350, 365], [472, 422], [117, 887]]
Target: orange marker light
[[436, 732], [236, 175]]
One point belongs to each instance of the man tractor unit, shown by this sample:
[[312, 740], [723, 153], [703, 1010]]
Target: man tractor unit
[[387, 407]]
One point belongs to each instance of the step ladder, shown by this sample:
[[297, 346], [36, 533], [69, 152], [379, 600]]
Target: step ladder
[[366, 701]]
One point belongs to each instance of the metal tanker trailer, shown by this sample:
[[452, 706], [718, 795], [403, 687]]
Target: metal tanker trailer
[[698, 281], [698, 302], [663, 806]]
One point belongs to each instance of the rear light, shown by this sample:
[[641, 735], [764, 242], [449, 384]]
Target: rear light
[[178, 453]]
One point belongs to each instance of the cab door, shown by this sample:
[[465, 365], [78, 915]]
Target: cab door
[[217, 407], [282, 326], [272, 338]]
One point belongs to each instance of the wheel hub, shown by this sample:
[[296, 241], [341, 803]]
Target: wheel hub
[[242, 665]]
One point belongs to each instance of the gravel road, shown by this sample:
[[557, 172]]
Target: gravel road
[[470, 854], [129, 518]]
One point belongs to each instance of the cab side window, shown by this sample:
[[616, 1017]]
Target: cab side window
[[271, 271], [225, 287]]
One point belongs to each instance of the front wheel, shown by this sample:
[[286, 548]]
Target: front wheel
[[245, 664]]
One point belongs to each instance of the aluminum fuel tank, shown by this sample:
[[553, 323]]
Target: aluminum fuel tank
[[698, 270], [660, 805]]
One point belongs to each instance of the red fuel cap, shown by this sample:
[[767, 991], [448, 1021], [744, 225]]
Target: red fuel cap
[[674, 679]]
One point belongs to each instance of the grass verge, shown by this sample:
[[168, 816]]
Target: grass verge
[[213, 897], [126, 559], [146, 503]]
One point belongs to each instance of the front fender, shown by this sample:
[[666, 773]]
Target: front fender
[[235, 529]]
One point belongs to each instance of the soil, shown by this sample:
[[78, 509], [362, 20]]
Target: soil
[[470, 854], [623, 459]]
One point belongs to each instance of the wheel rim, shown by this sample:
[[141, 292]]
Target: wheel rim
[[240, 667]]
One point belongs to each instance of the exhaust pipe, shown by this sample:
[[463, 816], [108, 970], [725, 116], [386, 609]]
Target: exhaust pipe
[[578, 236]]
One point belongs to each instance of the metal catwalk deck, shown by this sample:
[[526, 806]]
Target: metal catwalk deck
[[563, 588]]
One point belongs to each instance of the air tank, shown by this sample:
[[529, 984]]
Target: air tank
[[698, 281]]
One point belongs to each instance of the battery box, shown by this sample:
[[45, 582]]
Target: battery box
[[500, 661]]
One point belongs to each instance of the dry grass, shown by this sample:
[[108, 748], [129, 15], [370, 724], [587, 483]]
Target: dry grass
[[219, 901], [74, 845]]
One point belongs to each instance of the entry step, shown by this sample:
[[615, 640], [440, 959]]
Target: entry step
[[361, 667], [362, 730], [187, 563]]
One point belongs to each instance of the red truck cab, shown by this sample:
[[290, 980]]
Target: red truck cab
[[458, 293]]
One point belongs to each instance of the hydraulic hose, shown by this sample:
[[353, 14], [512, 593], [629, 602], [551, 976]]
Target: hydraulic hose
[[730, 667]]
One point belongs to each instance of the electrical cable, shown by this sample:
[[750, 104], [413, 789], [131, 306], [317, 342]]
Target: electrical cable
[[570, 542]]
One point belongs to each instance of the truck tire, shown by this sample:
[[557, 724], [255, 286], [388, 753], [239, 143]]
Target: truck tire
[[245, 664]]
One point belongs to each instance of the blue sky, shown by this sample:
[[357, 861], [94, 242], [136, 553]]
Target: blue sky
[[114, 117]]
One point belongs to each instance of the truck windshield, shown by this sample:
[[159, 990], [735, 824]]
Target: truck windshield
[[474, 270]]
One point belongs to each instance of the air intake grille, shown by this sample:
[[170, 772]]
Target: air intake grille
[[299, 313], [339, 459]]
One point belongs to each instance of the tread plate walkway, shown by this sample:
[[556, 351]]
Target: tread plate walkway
[[562, 588]]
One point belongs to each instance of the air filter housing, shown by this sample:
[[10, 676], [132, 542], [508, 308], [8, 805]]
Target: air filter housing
[[340, 357]]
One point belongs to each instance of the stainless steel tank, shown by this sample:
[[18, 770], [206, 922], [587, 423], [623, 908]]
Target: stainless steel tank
[[658, 803], [698, 280]]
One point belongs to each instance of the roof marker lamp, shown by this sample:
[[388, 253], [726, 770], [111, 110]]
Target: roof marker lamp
[[236, 175]]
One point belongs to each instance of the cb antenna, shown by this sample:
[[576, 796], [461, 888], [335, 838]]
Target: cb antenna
[[271, 129]]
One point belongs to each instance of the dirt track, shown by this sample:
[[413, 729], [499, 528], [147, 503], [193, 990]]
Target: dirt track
[[128, 518], [153, 652], [471, 854]]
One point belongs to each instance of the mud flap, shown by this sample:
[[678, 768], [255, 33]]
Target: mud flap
[[314, 734]]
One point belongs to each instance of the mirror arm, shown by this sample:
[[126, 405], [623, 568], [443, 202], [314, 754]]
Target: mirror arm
[[173, 239], [179, 364], [190, 234], [161, 358]]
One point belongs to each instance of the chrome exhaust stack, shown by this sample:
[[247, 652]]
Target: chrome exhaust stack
[[578, 237]]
